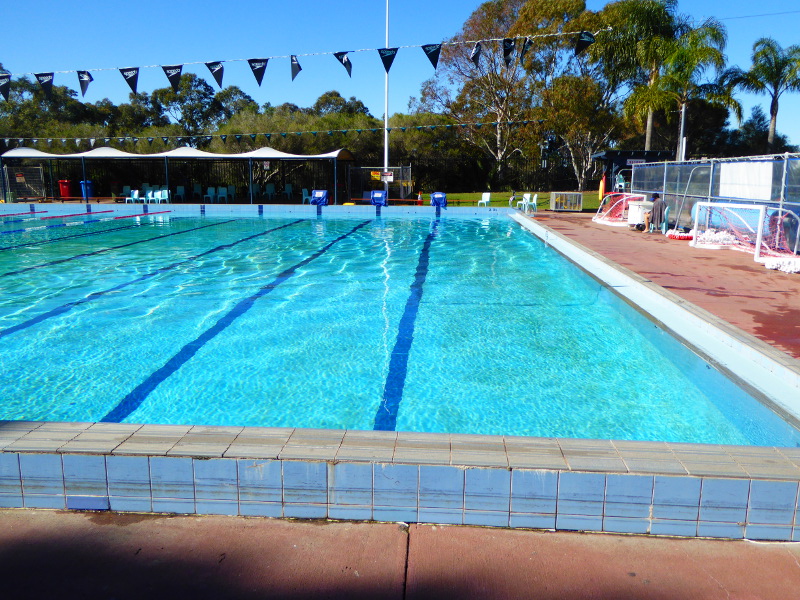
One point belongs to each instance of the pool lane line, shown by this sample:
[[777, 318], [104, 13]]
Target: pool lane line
[[140, 393], [67, 237], [31, 212], [147, 214], [83, 214], [386, 415], [60, 310], [96, 252]]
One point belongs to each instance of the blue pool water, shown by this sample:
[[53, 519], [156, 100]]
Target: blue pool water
[[451, 325]]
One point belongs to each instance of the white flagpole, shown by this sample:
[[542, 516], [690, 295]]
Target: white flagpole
[[386, 111]]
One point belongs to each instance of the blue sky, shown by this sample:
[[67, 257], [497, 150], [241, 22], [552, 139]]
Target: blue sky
[[103, 34]]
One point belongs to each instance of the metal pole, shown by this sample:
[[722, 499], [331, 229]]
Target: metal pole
[[84, 187], [166, 177], [784, 181], [336, 181], [681, 138], [386, 112], [250, 177], [711, 180], [3, 179]]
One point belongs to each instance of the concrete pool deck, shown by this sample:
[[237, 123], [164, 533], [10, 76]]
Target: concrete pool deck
[[209, 556]]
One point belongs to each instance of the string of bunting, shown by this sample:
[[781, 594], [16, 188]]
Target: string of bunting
[[181, 139], [258, 66]]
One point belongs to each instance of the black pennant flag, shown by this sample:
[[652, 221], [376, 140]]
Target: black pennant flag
[[238, 137], [387, 56], [223, 138], [345, 60], [173, 73], [258, 65], [583, 41], [46, 81], [5, 85], [84, 79], [508, 51], [526, 45], [432, 52], [217, 70], [131, 75], [475, 55], [165, 139], [296, 68]]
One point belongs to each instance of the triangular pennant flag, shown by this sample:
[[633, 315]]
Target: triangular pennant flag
[[7, 141], [508, 51], [223, 138], [84, 79], [91, 142], [5, 85], [131, 75], [526, 45], [217, 71], [173, 73], [63, 141], [121, 140], [268, 136], [78, 141], [258, 65], [403, 129], [296, 68], [432, 52], [345, 60], [209, 138], [330, 133], [135, 140], [283, 134], [34, 141], [165, 139], [299, 132], [238, 137], [107, 141], [49, 141], [387, 56], [253, 136], [358, 131], [46, 81], [150, 140], [475, 55], [583, 41]]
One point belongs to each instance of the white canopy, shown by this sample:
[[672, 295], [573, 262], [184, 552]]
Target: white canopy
[[182, 153]]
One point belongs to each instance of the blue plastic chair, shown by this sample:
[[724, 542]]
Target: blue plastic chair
[[439, 199]]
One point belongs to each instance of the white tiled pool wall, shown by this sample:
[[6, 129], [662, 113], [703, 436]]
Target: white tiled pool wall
[[584, 485], [672, 505]]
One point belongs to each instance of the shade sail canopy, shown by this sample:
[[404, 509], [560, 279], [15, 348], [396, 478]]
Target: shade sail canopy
[[183, 153]]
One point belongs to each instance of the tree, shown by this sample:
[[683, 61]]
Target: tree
[[193, 107], [775, 70], [333, 102], [230, 101], [635, 50], [695, 52], [489, 92]]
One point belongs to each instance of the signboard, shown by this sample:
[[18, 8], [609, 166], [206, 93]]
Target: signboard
[[636, 161], [20, 178], [375, 175], [387, 176]]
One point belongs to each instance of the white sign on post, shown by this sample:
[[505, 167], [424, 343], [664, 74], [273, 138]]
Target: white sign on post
[[387, 176]]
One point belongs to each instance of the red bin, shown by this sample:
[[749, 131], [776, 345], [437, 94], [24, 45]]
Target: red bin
[[65, 188]]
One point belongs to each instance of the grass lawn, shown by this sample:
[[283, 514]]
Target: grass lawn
[[590, 199]]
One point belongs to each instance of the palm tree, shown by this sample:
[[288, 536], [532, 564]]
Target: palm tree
[[694, 53], [643, 37], [775, 70]]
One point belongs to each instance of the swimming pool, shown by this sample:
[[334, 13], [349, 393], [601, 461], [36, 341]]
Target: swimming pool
[[414, 324]]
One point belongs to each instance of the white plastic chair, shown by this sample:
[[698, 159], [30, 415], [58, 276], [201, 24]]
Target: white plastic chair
[[180, 193], [222, 192], [486, 198], [269, 190], [211, 194], [232, 193], [133, 198], [150, 198], [287, 191]]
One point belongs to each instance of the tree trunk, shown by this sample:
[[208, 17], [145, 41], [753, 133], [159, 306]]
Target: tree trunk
[[648, 136], [773, 121]]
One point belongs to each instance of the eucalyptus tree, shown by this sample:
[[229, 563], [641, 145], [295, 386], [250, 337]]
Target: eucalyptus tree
[[469, 89], [775, 70]]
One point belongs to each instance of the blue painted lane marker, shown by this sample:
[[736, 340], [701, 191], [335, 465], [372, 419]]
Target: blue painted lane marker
[[67, 237], [134, 399], [386, 417], [60, 310], [96, 252]]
